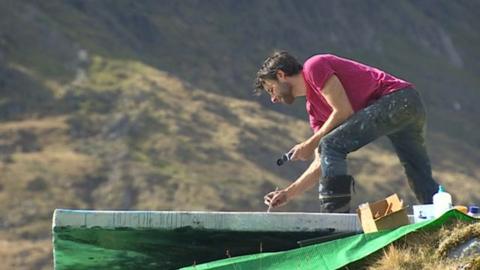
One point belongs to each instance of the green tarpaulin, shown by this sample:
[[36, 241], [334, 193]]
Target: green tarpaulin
[[82, 248], [330, 255]]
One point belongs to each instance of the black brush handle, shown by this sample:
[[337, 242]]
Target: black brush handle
[[285, 157]]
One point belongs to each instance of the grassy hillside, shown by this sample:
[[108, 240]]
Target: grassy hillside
[[218, 46], [133, 137], [142, 105]]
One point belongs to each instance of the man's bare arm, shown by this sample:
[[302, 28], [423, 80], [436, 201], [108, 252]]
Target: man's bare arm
[[307, 180], [337, 98]]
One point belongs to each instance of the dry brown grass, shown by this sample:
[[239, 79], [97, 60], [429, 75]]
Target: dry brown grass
[[424, 250], [25, 254]]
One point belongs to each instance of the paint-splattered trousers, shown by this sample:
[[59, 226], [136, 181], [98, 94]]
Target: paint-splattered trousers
[[401, 117]]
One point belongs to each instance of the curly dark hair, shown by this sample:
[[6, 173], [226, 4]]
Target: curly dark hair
[[279, 60]]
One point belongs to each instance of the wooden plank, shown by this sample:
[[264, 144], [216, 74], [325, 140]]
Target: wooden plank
[[224, 221]]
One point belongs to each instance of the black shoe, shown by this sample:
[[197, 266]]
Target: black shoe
[[334, 194]]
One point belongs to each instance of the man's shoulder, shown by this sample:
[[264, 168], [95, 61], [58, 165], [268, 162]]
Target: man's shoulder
[[318, 58]]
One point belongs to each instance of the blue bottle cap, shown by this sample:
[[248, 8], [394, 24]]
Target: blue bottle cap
[[473, 209], [441, 189]]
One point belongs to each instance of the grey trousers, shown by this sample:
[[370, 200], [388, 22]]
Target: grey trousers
[[401, 117]]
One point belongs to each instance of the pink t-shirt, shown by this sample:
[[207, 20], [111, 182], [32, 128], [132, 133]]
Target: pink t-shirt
[[363, 84]]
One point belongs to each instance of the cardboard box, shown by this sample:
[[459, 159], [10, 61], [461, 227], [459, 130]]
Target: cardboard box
[[388, 213]]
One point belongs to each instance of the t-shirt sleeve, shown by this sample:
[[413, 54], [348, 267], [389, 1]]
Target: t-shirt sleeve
[[320, 71]]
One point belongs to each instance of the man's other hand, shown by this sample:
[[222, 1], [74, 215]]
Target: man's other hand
[[303, 151]]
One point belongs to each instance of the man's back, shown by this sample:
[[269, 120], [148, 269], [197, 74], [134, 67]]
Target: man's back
[[363, 84]]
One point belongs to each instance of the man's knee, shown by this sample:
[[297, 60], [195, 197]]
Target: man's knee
[[332, 156], [335, 143], [327, 144]]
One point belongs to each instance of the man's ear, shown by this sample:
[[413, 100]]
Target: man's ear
[[280, 74]]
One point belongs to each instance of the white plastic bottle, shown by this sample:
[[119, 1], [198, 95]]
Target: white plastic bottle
[[442, 202]]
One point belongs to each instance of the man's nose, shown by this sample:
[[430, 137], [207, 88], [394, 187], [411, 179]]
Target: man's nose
[[275, 99]]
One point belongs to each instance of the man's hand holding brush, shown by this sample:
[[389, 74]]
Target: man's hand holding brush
[[276, 198]]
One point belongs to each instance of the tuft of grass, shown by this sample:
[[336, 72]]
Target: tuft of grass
[[426, 250], [456, 238]]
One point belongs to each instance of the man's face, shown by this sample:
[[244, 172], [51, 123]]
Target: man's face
[[279, 91]]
